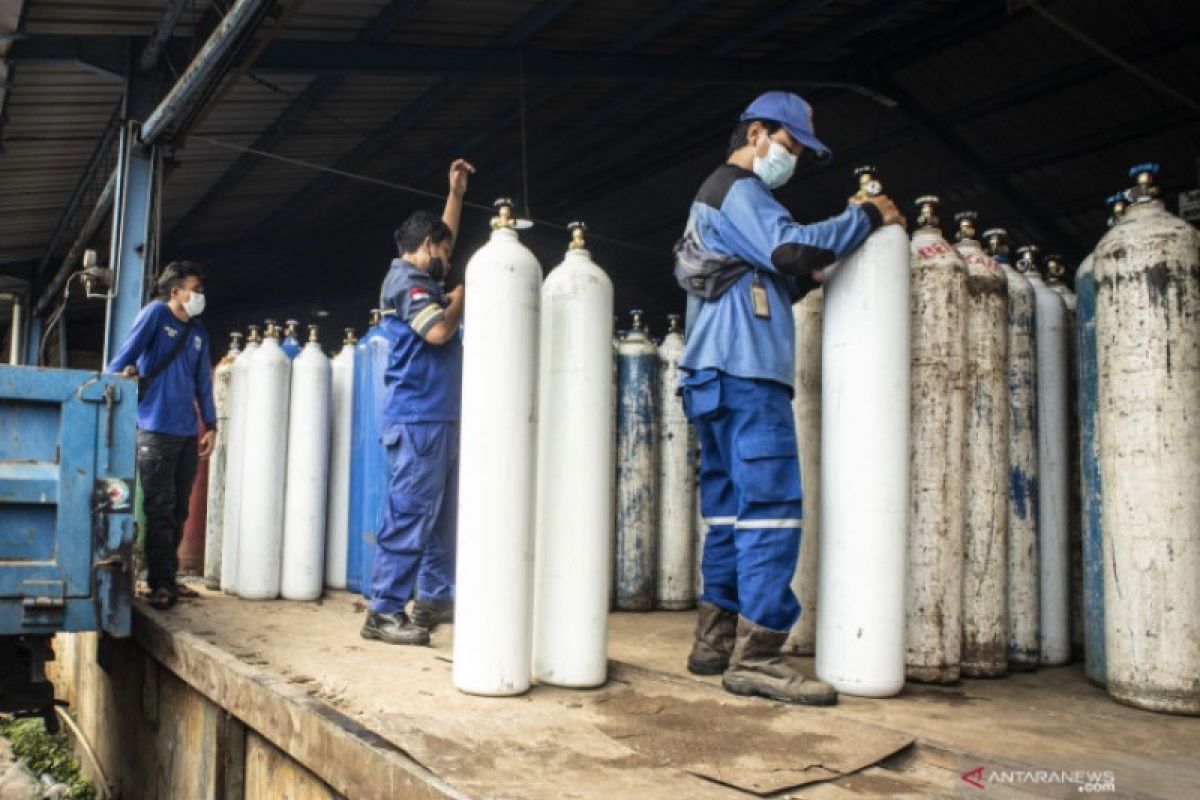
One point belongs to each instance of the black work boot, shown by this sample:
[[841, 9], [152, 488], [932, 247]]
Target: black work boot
[[713, 644], [393, 628], [757, 668], [429, 615]]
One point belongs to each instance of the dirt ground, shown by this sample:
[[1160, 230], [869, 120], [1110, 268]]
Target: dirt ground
[[656, 731], [16, 782]]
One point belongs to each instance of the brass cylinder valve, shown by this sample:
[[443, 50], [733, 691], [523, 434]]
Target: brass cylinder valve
[[504, 214], [1144, 188], [997, 242], [868, 182], [1028, 259], [966, 225], [577, 229], [927, 211]]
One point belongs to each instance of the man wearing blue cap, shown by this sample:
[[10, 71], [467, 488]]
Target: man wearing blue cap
[[743, 261]]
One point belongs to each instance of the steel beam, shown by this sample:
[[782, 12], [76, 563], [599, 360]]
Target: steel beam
[[33, 340], [202, 75], [567, 167], [1073, 75], [656, 25], [131, 254], [541, 16], [1105, 137], [95, 164], [1037, 220], [133, 183], [339, 59], [391, 18], [542, 151], [162, 34], [90, 227]]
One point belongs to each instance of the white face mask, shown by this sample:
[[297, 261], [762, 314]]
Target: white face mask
[[776, 167], [195, 304]]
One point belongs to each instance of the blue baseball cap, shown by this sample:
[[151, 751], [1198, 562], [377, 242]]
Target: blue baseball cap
[[793, 113]]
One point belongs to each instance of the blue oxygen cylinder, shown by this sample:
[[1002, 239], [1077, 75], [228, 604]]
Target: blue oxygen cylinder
[[637, 440], [368, 461], [291, 344]]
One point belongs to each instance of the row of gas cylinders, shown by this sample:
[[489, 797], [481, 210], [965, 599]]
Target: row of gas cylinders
[[1006, 467], [298, 474], [656, 551], [278, 471]]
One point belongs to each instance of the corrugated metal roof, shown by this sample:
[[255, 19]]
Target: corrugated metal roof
[[1041, 118]]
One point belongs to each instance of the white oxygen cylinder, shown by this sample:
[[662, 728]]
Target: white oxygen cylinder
[[264, 472], [806, 409], [864, 465], [214, 518], [1148, 361], [493, 606], [1054, 565], [985, 473], [676, 482], [935, 533], [307, 474], [575, 473], [239, 393], [341, 414]]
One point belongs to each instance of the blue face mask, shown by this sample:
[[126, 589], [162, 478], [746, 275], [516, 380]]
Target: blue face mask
[[776, 167]]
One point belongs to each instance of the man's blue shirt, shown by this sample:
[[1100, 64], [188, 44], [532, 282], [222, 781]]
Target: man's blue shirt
[[169, 405], [735, 214], [423, 380]]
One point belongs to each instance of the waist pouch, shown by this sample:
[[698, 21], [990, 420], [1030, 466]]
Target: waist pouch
[[703, 273]]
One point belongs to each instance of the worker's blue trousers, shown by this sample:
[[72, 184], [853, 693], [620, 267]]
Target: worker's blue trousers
[[417, 533], [750, 495]]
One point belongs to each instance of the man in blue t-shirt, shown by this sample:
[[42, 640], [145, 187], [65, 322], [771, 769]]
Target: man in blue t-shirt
[[168, 347], [737, 372], [416, 541]]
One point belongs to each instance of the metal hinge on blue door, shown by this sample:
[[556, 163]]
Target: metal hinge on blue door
[[43, 602]]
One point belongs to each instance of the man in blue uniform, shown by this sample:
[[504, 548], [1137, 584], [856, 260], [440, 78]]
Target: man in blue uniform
[[737, 377], [168, 348], [416, 541]]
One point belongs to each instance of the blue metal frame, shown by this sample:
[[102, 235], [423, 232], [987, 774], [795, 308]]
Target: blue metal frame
[[132, 250], [65, 545]]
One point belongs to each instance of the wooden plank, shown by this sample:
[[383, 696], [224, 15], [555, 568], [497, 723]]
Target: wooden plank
[[271, 774], [340, 751], [231, 758]]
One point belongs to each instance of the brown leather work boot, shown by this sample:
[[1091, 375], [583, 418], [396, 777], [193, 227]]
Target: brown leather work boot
[[758, 669], [715, 631]]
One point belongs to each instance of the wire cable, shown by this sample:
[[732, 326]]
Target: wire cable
[[355, 176], [1124, 63]]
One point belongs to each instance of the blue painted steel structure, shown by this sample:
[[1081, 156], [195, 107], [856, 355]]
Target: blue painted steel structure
[[66, 516], [1089, 470], [368, 460]]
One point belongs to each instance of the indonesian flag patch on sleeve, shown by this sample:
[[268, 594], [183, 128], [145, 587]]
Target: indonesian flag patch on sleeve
[[417, 293]]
